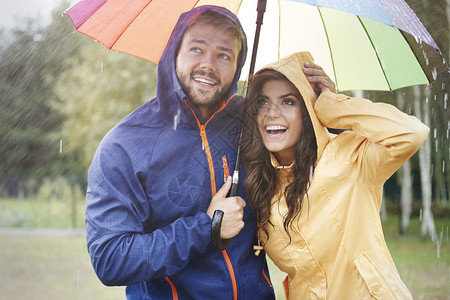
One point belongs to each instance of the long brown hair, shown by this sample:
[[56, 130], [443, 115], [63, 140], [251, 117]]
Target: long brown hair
[[261, 179]]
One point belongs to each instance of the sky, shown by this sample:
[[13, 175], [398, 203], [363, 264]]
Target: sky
[[12, 11]]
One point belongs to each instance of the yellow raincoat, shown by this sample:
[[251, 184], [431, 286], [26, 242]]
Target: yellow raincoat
[[336, 248]]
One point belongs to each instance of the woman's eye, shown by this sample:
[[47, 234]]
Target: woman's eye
[[262, 103], [288, 101]]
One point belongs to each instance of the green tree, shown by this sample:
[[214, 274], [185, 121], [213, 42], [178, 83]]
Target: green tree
[[100, 88]]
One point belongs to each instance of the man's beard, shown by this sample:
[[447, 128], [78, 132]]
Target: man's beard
[[200, 98]]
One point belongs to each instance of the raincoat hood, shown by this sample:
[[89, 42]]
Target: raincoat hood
[[291, 67], [169, 91]]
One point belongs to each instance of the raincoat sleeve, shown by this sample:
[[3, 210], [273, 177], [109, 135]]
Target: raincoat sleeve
[[121, 252], [381, 139]]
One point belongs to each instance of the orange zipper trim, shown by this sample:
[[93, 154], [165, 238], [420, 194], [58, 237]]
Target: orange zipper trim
[[209, 156], [206, 144], [267, 278], [233, 277], [213, 189], [174, 290]]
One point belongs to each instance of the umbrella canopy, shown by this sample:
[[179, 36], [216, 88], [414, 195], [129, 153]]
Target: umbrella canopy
[[361, 44]]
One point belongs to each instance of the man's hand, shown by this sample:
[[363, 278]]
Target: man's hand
[[233, 208], [317, 76]]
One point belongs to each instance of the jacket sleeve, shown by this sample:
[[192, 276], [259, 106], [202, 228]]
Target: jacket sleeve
[[382, 137], [117, 209]]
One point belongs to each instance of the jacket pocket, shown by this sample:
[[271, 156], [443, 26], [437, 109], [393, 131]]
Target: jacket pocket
[[374, 281]]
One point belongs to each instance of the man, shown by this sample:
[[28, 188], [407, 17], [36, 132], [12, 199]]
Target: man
[[155, 180], [158, 177]]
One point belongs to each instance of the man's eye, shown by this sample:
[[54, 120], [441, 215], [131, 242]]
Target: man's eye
[[224, 56]]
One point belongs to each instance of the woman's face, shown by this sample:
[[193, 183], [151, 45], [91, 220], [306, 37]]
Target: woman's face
[[279, 119]]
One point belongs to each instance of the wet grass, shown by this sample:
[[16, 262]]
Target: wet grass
[[43, 267], [37, 213], [49, 268]]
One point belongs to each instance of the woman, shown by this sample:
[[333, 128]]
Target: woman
[[316, 195]]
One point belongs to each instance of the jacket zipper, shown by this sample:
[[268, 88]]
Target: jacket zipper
[[174, 290], [205, 147]]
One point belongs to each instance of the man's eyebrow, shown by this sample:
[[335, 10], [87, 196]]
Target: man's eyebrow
[[203, 42], [226, 49], [198, 41]]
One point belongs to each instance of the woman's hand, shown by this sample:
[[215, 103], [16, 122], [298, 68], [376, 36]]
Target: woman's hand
[[317, 76]]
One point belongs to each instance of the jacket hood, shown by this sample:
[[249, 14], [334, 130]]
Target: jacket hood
[[291, 67], [169, 91]]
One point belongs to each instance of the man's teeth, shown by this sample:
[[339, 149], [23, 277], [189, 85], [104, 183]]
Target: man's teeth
[[276, 127], [205, 81]]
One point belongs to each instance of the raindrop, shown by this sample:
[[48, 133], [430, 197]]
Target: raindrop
[[443, 166], [420, 218], [101, 67], [435, 132], [176, 120], [60, 146], [427, 61], [435, 73], [417, 40], [445, 100]]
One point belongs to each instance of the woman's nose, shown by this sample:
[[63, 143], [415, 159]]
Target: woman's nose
[[273, 110]]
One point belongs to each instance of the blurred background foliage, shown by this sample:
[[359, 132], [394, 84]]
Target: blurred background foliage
[[61, 92]]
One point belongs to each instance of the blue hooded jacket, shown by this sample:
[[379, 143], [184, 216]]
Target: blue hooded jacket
[[149, 186]]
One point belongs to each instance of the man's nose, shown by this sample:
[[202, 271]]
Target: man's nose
[[208, 62]]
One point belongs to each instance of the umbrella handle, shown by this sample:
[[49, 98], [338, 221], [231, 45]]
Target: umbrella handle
[[235, 182], [261, 8]]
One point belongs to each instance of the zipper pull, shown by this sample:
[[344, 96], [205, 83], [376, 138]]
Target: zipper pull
[[203, 135], [226, 170]]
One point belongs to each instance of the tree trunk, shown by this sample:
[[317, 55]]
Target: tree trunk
[[427, 227], [405, 181], [406, 197]]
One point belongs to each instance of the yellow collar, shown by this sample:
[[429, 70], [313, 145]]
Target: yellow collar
[[276, 164]]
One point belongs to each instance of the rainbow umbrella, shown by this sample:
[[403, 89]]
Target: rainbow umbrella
[[361, 44]]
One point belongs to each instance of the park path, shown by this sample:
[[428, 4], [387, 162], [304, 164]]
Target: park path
[[41, 232]]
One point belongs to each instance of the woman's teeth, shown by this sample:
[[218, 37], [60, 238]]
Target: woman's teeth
[[276, 129]]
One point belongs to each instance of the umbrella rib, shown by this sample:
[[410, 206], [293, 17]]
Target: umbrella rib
[[120, 35], [373, 47], [329, 47]]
